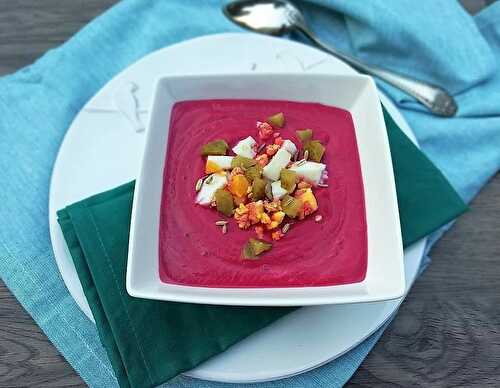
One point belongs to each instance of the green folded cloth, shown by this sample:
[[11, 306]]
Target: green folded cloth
[[150, 342]]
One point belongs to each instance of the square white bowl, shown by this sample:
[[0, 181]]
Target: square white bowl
[[358, 94]]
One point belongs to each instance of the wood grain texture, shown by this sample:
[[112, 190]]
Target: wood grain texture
[[447, 333]]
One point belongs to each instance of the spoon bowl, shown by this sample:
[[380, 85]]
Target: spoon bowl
[[264, 16], [279, 17]]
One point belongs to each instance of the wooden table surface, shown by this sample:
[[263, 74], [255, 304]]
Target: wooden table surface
[[447, 332]]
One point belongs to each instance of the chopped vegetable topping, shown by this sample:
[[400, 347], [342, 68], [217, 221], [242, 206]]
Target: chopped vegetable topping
[[291, 206], [246, 147], [305, 135], [265, 130], [254, 248], [308, 202], [216, 147], [278, 190], [279, 161], [310, 171], [238, 185], [277, 120], [273, 206], [242, 162], [271, 149], [289, 146], [253, 172], [217, 163], [261, 187], [315, 150], [258, 189], [288, 180], [276, 220], [262, 160], [209, 186], [224, 201]]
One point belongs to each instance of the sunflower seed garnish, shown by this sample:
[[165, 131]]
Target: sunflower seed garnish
[[300, 163], [224, 229], [220, 223], [199, 183], [209, 179], [322, 185], [306, 154], [285, 228], [269, 191]]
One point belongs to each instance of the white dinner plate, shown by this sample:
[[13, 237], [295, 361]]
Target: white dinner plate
[[103, 148]]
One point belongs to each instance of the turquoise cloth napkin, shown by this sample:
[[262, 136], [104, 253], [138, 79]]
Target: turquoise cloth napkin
[[437, 41]]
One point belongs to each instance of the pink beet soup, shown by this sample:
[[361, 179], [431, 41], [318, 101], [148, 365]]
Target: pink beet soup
[[194, 252]]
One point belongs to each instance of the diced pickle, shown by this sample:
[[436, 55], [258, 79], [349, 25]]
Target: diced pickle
[[288, 180], [277, 120], [258, 189], [224, 201], [216, 147], [253, 172], [305, 135], [290, 206], [316, 150], [242, 162], [254, 248]]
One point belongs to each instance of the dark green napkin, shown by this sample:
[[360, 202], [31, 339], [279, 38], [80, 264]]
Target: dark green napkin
[[149, 342]]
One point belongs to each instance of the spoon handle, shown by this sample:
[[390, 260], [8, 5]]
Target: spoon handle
[[437, 100]]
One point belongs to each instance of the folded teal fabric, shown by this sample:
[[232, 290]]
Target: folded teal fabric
[[38, 103], [139, 335]]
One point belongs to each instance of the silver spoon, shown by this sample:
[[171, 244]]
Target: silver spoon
[[278, 17]]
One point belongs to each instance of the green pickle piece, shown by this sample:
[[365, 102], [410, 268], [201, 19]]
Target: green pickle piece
[[242, 162], [277, 120], [253, 172], [258, 189], [288, 180], [216, 147], [316, 150], [290, 206], [254, 248], [305, 135], [224, 201]]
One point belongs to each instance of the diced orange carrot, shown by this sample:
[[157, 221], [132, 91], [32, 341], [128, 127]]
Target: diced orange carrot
[[238, 185]]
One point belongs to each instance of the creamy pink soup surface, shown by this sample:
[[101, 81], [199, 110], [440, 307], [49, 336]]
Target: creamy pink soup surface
[[193, 251]]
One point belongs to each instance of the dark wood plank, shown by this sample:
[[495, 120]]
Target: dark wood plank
[[28, 28], [27, 358], [447, 332]]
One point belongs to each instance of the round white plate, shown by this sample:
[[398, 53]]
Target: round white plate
[[102, 149]]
